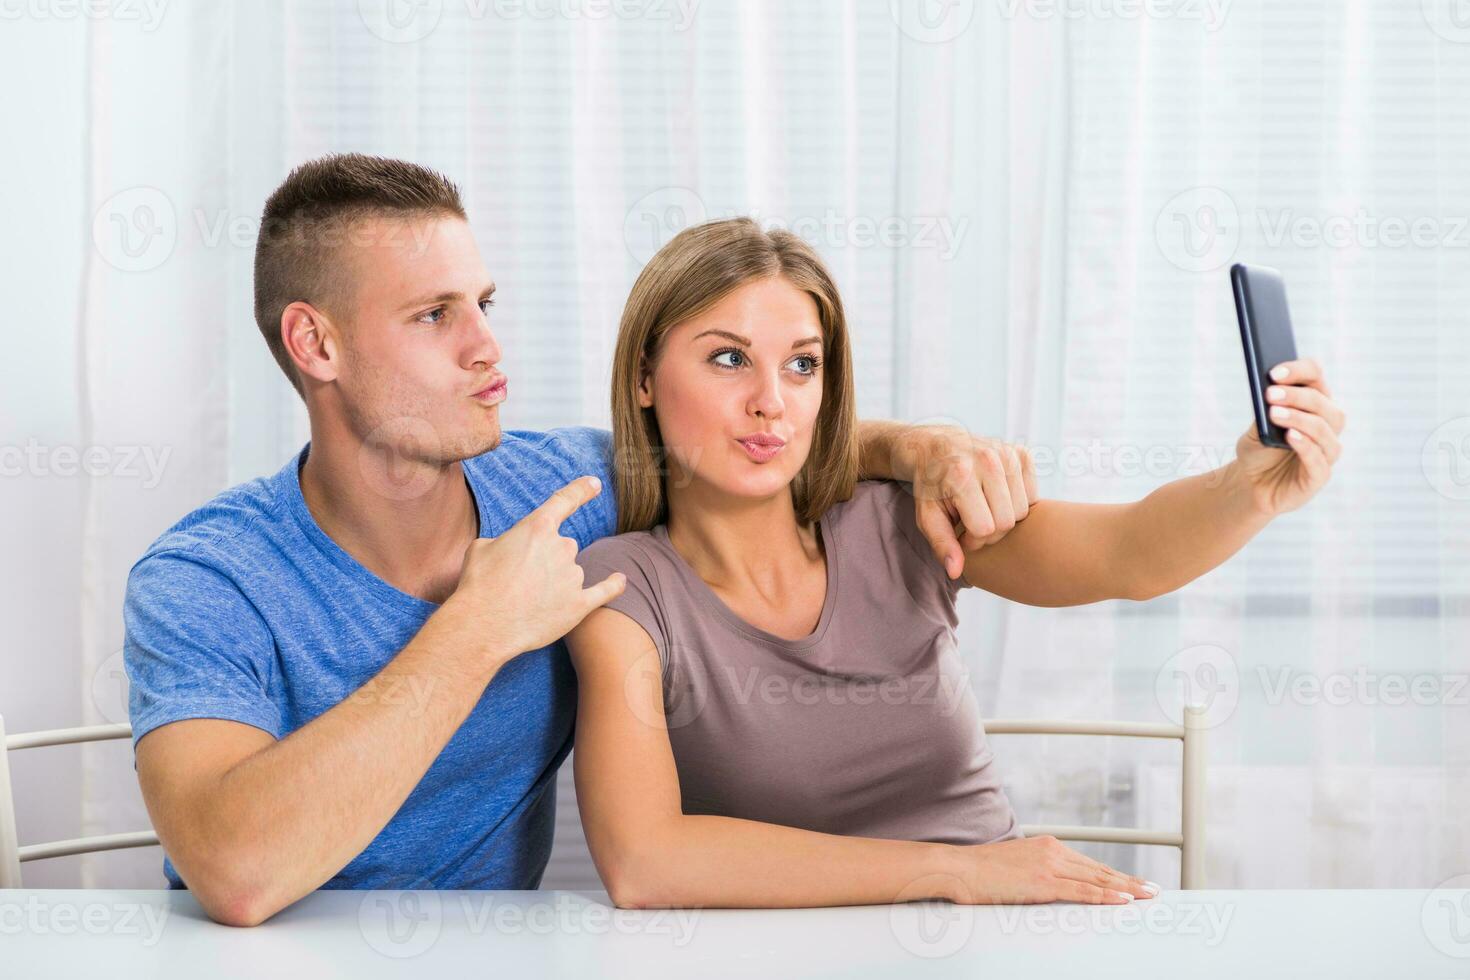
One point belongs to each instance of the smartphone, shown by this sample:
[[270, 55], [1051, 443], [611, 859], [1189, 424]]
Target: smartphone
[[1266, 335]]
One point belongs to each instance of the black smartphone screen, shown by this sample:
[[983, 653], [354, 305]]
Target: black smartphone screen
[[1266, 335]]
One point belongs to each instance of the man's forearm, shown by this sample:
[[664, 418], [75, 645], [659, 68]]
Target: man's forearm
[[877, 445], [1186, 528], [284, 820]]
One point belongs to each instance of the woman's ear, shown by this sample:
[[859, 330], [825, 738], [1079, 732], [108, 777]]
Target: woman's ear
[[645, 383]]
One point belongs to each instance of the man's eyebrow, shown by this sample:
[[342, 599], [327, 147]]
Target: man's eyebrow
[[746, 340], [450, 297]]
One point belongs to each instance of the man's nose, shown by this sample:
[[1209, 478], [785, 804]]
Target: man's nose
[[484, 349]]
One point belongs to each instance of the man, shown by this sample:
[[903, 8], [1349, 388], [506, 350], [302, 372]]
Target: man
[[350, 674]]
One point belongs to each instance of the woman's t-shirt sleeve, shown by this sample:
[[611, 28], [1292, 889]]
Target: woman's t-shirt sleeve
[[640, 600], [886, 508]]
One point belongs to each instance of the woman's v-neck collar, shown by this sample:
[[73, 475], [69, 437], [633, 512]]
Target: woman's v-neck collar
[[706, 595]]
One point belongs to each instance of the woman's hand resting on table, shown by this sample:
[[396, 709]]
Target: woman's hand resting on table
[[1035, 870], [1281, 480]]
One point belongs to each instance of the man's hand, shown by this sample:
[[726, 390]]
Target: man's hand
[[523, 590], [969, 491]]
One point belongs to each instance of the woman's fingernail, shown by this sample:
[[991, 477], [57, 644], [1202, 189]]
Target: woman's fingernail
[[1125, 896], [1274, 393], [1151, 888], [1280, 371], [1277, 412]]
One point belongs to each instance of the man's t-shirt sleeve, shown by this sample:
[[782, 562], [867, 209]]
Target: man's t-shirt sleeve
[[593, 451], [195, 647]]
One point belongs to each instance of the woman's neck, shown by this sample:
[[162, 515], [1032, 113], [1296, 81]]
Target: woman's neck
[[738, 543]]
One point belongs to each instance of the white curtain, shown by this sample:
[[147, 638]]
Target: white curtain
[[1030, 208]]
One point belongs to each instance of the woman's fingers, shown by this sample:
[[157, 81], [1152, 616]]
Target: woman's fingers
[[1097, 873], [1080, 891], [1302, 371], [1314, 426], [1309, 400], [1311, 455]]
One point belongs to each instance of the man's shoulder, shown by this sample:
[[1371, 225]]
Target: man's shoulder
[[229, 529], [519, 474], [554, 449]]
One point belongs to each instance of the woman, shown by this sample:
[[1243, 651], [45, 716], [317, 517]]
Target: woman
[[773, 713]]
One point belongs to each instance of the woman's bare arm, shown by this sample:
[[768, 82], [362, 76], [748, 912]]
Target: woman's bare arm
[[650, 854], [1069, 554]]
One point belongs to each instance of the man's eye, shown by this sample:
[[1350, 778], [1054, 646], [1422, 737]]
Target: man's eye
[[485, 305], [432, 316]]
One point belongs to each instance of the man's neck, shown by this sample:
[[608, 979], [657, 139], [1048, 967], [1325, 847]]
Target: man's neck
[[407, 522]]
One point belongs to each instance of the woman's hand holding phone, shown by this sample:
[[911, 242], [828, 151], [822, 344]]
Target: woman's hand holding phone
[[1281, 480]]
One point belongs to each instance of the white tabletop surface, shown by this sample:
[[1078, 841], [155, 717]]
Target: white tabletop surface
[[1188, 935]]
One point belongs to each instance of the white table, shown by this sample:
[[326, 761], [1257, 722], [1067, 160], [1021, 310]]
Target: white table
[[1235, 934]]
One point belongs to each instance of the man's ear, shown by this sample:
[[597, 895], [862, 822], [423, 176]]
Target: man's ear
[[311, 340], [645, 383]]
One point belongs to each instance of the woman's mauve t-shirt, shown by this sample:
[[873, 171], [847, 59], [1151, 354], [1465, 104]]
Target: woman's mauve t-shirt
[[867, 727]]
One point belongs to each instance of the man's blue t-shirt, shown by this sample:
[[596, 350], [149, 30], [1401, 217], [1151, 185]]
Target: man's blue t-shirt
[[246, 610]]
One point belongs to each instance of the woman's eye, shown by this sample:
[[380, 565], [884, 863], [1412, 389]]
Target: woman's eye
[[810, 362], [721, 355]]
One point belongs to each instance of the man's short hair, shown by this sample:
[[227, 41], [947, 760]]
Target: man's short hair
[[310, 215]]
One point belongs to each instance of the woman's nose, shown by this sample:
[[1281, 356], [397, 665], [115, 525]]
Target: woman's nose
[[766, 400]]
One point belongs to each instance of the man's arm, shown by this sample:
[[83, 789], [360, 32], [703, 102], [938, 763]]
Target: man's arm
[[984, 485], [252, 824]]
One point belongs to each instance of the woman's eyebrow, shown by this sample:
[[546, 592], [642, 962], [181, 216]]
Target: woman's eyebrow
[[728, 335], [745, 341]]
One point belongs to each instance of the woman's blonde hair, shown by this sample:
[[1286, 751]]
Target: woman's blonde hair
[[693, 272]]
